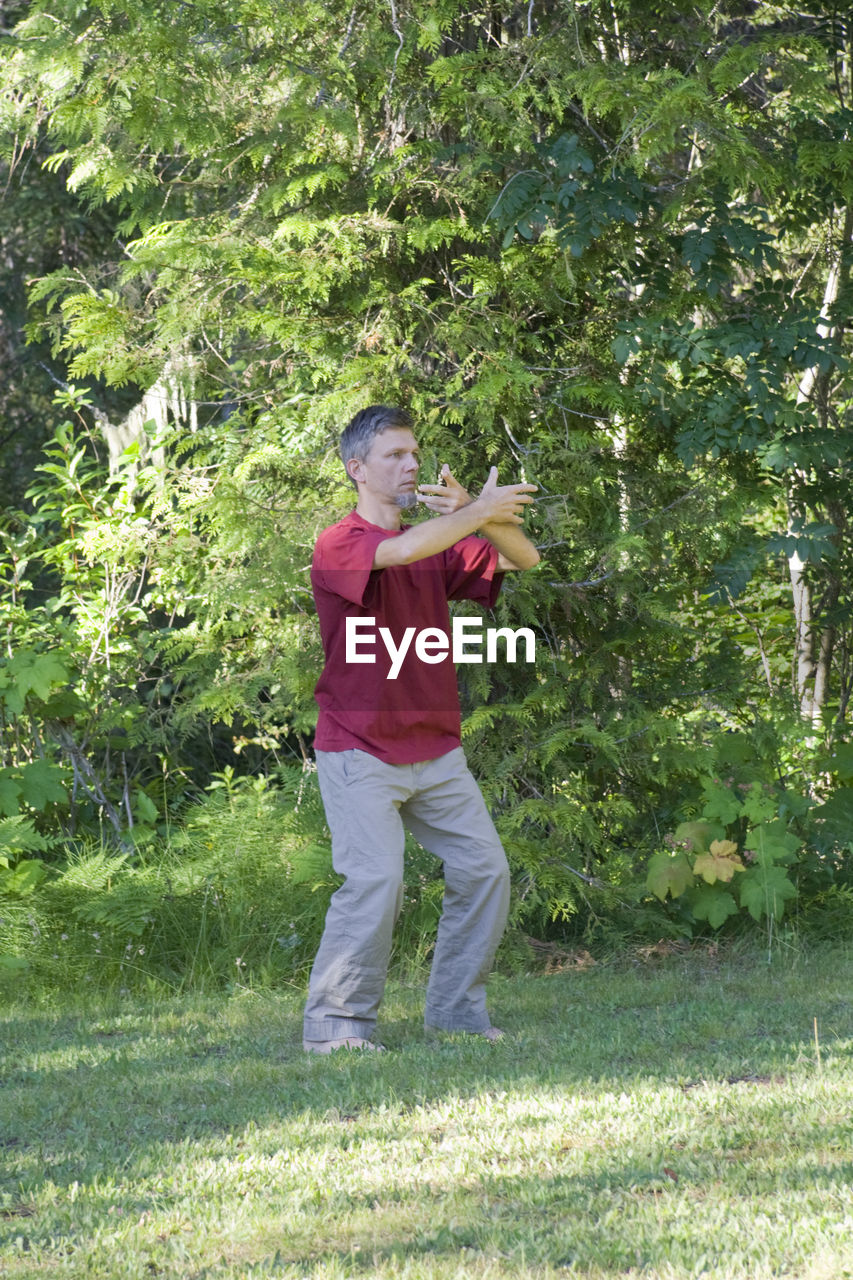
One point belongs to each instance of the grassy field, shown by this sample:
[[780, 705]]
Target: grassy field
[[676, 1117]]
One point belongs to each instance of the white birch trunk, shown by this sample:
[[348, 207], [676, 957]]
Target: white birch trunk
[[166, 401], [813, 646]]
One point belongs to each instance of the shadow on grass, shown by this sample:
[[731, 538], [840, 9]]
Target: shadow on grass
[[97, 1100]]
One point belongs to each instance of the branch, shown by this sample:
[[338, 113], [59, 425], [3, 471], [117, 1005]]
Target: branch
[[395, 26], [592, 881], [82, 770]]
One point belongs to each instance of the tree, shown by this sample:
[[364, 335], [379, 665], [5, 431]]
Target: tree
[[557, 233]]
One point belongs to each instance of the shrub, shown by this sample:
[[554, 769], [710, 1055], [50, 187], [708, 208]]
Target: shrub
[[237, 895]]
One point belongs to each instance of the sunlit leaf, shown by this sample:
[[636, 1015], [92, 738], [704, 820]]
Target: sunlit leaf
[[720, 863]]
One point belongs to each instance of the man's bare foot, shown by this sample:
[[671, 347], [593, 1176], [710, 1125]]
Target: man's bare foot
[[345, 1042]]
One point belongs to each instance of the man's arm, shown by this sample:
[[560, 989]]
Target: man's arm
[[515, 550], [496, 504]]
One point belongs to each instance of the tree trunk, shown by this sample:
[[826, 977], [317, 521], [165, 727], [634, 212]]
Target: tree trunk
[[167, 400], [814, 639]]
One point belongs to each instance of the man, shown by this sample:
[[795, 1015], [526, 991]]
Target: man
[[388, 735]]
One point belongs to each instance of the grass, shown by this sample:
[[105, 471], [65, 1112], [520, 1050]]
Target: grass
[[675, 1118]]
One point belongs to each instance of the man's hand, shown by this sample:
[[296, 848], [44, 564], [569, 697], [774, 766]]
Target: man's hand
[[495, 512], [503, 503], [445, 497]]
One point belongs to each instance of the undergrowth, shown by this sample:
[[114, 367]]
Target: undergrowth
[[235, 898]]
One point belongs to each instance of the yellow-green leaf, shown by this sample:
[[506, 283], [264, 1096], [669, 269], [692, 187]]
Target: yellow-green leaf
[[720, 863]]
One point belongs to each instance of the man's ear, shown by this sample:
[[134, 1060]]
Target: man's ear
[[355, 470]]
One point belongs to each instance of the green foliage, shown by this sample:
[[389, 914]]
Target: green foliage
[[19, 875], [238, 895], [69, 689], [30, 685], [610, 258], [713, 873]]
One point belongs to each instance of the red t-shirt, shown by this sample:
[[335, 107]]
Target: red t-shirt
[[415, 716]]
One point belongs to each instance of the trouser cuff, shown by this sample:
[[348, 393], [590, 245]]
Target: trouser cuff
[[434, 1022], [336, 1028]]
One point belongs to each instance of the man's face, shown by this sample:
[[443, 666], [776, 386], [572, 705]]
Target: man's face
[[390, 470]]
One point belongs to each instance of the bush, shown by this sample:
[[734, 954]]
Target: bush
[[238, 895]]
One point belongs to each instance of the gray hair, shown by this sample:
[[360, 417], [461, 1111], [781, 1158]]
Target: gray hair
[[368, 423]]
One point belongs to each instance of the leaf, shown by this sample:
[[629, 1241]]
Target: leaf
[[62, 705], [758, 806], [669, 873], [24, 878], [772, 843], [623, 348], [10, 794], [41, 783], [720, 863], [765, 890], [32, 672], [697, 835], [17, 834], [836, 815], [144, 808], [731, 577], [841, 761], [310, 865], [794, 804], [713, 905], [813, 543], [720, 803]]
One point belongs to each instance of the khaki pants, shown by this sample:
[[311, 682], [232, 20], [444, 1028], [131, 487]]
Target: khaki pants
[[368, 803]]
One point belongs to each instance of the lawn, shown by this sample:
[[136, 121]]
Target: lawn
[[682, 1116]]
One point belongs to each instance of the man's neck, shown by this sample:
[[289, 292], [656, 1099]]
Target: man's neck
[[387, 515]]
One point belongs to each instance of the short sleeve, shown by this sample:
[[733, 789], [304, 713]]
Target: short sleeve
[[343, 559], [471, 571]]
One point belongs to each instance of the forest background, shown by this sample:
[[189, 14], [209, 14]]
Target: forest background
[[605, 246]]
